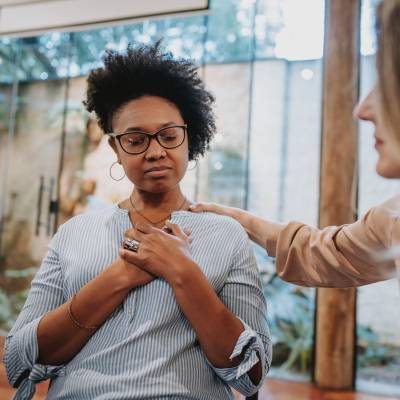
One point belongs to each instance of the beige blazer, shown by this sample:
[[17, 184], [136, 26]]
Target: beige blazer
[[356, 254]]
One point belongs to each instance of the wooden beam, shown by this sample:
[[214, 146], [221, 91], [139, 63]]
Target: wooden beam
[[335, 316]]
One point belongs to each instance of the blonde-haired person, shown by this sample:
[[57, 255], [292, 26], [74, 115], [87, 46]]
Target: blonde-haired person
[[348, 255]]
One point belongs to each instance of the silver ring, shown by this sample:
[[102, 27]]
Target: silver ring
[[131, 245]]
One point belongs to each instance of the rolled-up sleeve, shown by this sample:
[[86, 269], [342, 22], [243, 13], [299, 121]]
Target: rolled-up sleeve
[[243, 295], [21, 349]]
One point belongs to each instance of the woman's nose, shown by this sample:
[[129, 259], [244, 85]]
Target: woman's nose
[[365, 109], [155, 150]]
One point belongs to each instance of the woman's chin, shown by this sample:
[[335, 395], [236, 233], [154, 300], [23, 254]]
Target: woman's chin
[[158, 186], [389, 170]]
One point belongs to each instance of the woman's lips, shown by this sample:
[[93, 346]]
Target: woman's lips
[[157, 172]]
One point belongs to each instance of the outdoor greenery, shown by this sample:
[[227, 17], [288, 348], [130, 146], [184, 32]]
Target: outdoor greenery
[[292, 324], [11, 302], [226, 34], [291, 321], [377, 358]]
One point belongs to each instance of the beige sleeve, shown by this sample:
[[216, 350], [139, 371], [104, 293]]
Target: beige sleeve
[[337, 256]]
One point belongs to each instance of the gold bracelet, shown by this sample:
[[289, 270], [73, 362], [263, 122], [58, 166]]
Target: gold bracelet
[[73, 319]]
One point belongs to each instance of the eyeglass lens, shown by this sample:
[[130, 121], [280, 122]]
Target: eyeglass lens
[[138, 142]]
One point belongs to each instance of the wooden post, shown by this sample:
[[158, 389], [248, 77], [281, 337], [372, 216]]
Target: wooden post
[[335, 316]]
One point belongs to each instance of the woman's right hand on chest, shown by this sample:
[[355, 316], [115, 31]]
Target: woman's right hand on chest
[[131, 275]]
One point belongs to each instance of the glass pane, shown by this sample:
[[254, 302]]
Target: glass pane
[[284, 159], [224, 181], [29, 171], [378, 304]]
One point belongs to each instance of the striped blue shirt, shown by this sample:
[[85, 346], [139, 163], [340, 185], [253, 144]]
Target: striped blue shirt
[[147, 348]]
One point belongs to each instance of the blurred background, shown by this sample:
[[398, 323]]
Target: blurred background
[[263, 60]]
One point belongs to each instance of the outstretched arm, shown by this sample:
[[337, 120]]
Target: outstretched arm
[[335, 256]]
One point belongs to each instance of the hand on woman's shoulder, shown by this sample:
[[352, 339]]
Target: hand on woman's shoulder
[[224, 225]]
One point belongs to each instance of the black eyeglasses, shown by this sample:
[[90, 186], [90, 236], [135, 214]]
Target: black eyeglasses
[[136, 142]]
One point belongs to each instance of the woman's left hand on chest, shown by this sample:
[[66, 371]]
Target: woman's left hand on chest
[[161, 252]]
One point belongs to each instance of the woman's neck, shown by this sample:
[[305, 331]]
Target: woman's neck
[[157, 202], [155, 208]]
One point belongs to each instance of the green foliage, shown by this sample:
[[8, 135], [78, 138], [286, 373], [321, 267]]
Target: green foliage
[[20, 273], [290, 314], [12, 303], [377, 360], [290, 317], [10, 307], [6, 314], [371, 350]]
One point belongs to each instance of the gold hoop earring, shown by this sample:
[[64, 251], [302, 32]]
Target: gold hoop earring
[[194, 166], [111, 175]]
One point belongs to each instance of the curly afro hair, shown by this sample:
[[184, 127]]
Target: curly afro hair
[[146, 70]]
